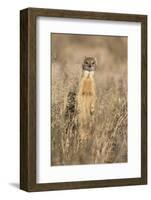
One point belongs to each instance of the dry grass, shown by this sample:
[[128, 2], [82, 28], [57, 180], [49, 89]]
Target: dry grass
[[107, 137]]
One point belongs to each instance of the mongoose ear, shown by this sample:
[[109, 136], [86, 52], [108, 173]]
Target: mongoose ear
[[95, 60], [85, 58]]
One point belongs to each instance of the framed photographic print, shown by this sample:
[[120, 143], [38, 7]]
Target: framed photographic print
[[83, 99]]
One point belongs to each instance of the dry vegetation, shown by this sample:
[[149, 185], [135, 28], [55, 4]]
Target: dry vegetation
[[107, 138]]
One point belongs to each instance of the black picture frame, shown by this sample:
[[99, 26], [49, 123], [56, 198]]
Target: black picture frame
[[28, 98]]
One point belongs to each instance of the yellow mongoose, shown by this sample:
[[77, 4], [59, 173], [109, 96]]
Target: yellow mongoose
[[86, 97]]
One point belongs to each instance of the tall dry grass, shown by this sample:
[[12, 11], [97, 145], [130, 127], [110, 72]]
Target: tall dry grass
[[107, 138]]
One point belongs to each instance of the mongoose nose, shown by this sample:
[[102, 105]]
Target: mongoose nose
[[89, 66]]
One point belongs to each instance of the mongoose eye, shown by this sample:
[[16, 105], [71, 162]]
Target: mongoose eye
[[86, 62]]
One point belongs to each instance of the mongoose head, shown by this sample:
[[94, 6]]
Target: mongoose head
[[89, 64]]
